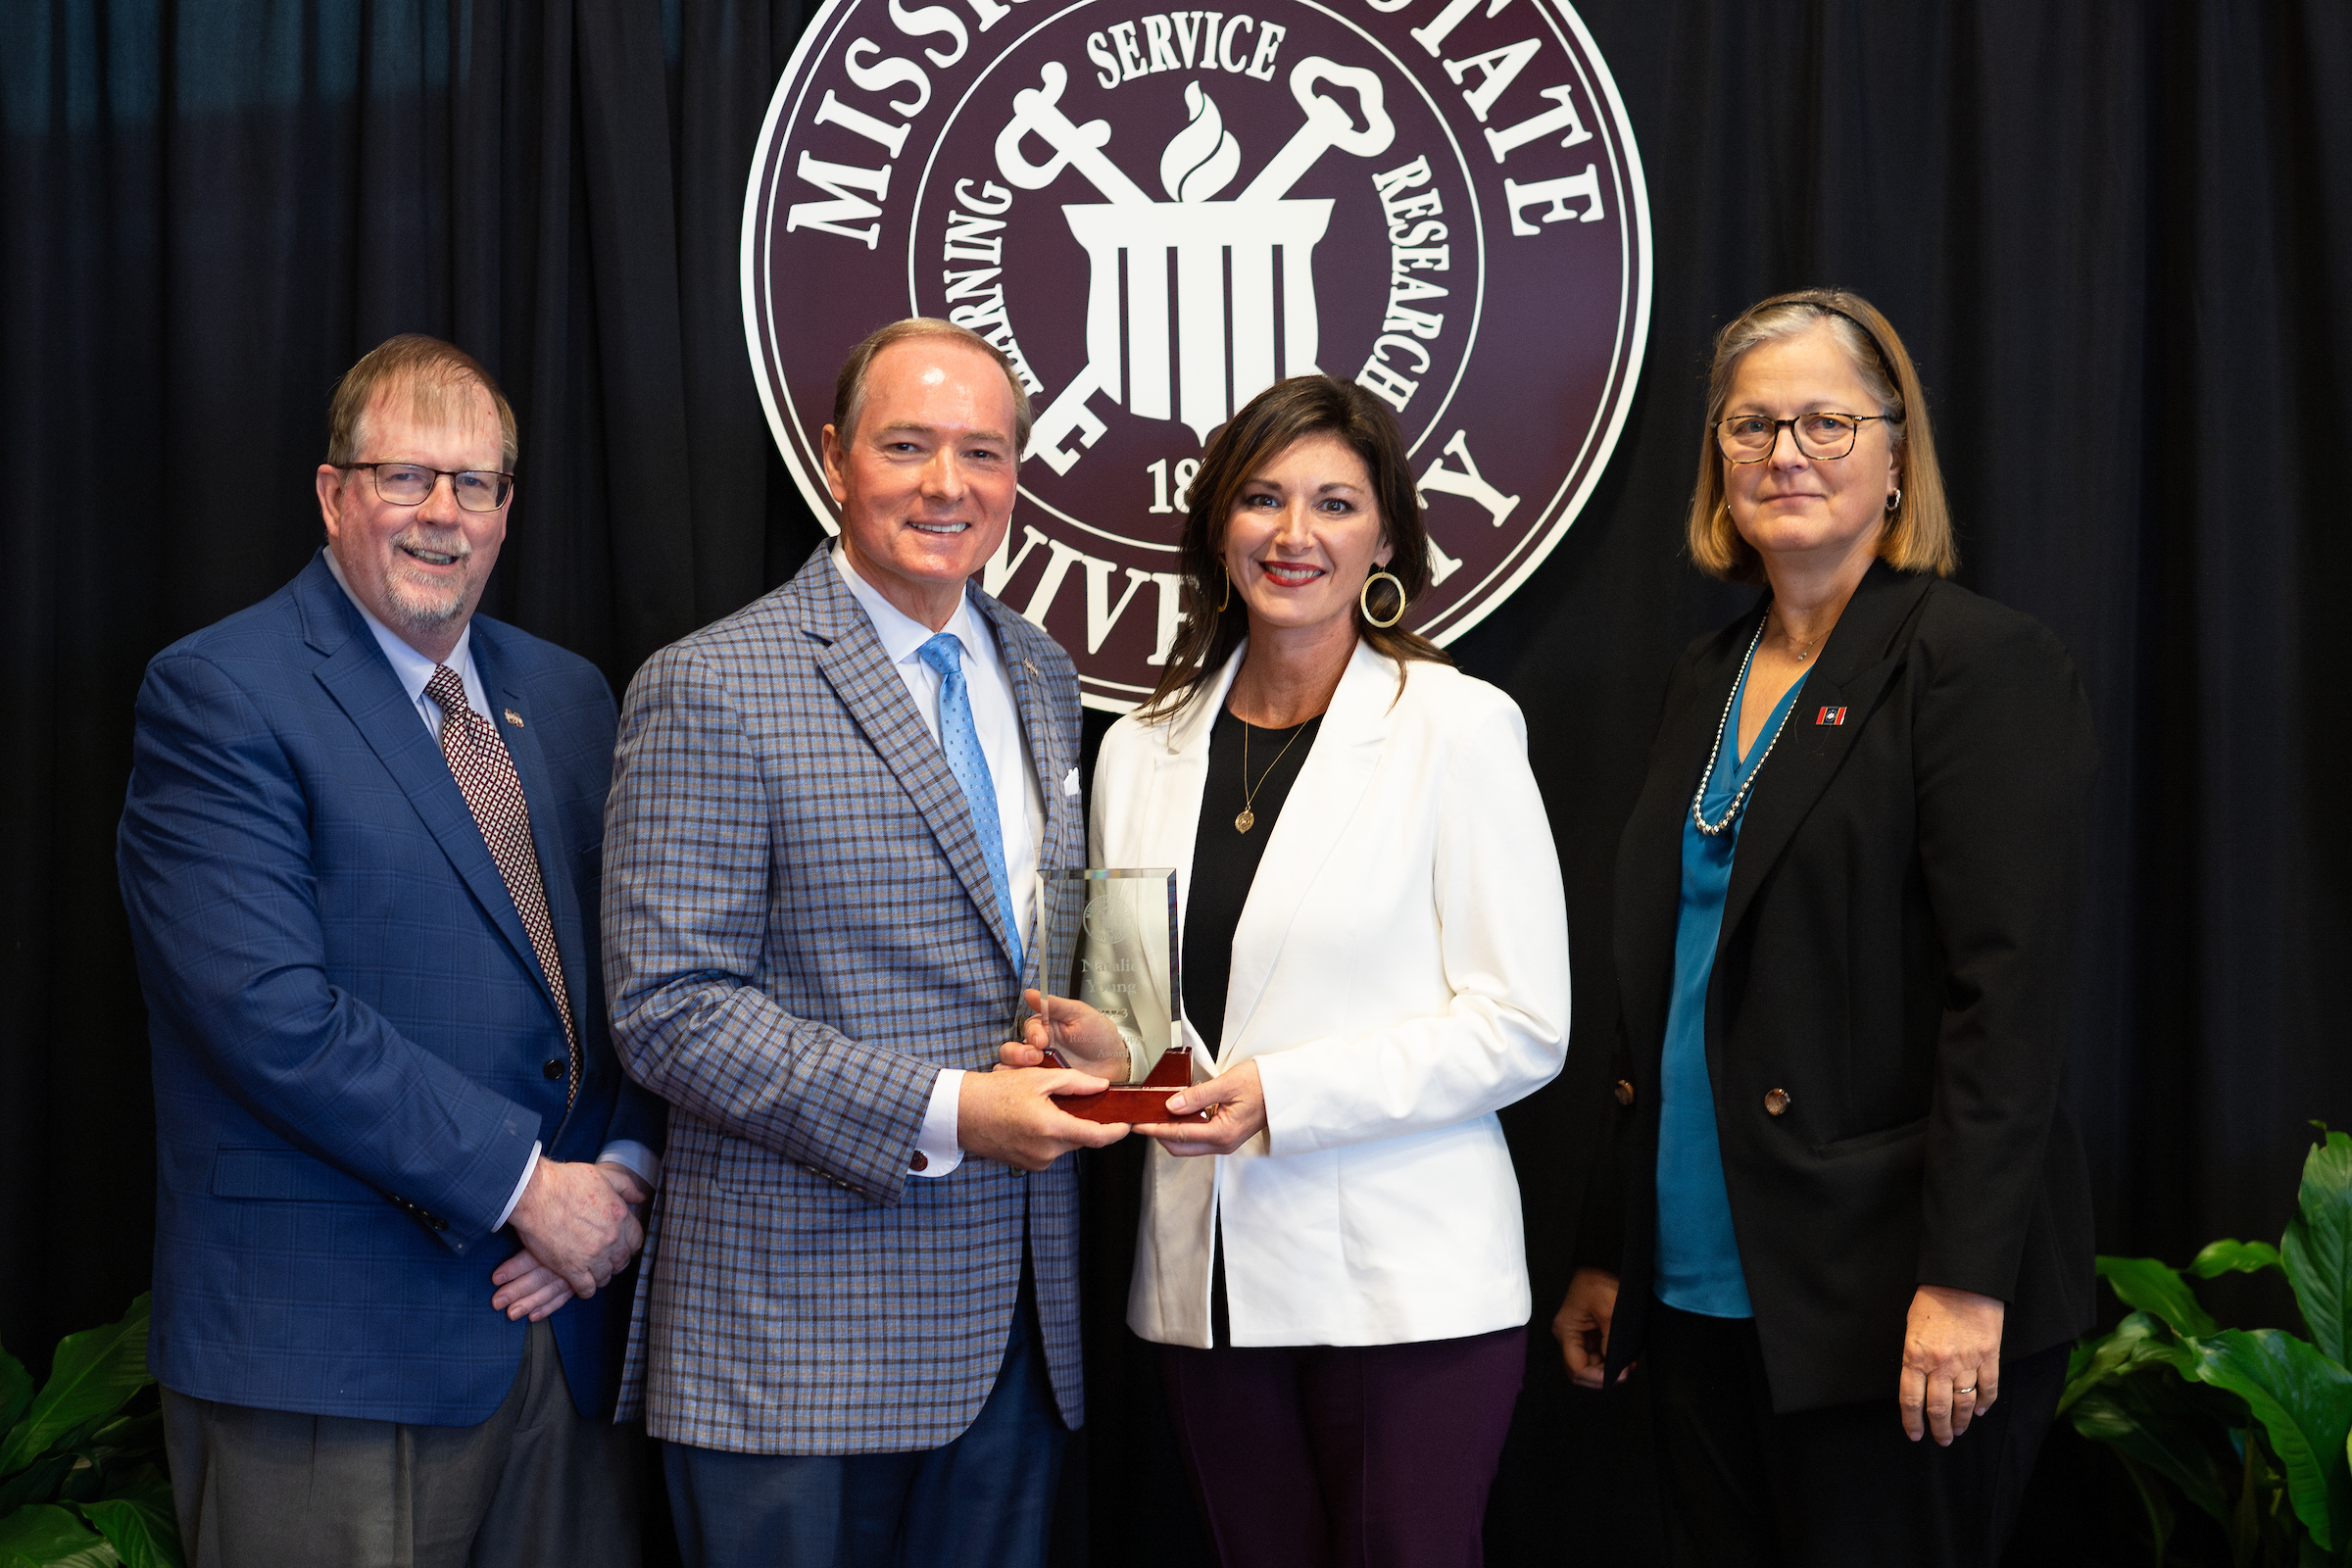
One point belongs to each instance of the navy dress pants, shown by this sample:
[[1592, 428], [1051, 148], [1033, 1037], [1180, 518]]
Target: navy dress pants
[[985, 1500]]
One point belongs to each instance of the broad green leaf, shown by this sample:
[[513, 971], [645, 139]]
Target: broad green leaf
[[52, 1477], [2233, 1257], [16, 1390], [45, 1536], [142, 1528], [130, 1434], [96, 1370], [2140, 1340], [2317, 1249], [2304, 1402], [2153, 1286], [2158, 1429], [36, 1482]]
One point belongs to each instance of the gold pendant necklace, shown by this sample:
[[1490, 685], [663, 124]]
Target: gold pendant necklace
[[1247, 819]]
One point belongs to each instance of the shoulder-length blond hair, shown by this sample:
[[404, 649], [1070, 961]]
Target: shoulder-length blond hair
[[1918, 537]]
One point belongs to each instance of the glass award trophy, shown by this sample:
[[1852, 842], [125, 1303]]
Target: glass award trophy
[[1110, 945]]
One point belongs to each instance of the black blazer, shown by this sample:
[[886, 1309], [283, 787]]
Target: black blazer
[[1894, 960]]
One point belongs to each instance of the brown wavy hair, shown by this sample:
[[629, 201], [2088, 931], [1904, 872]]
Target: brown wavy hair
[[1277, 419], [1918, 536]]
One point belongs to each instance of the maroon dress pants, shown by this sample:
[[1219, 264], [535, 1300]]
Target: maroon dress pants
[[1345, 1456]]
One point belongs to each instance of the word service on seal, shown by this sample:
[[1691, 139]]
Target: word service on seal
[[1157, 214]]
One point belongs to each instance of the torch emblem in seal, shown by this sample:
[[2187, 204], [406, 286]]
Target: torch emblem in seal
[[1269, 238], [1157, 214]]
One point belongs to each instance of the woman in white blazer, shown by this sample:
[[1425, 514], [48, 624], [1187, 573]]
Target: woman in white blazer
[[1374, 961]]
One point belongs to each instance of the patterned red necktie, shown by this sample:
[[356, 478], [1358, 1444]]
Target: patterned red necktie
[[478, 759]]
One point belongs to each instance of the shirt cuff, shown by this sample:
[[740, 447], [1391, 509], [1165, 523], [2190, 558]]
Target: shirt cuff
[[528, 1166], [936, 1151], [643, 1162]]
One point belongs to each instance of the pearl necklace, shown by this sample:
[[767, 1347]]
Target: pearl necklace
[[1698, 819]]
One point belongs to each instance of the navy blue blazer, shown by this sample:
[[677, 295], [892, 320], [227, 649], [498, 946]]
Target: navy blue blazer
[[353, 1044]]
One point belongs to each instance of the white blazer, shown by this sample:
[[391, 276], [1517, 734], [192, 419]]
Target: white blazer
[[1399, 972]]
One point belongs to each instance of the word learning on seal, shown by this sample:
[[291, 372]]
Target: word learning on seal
[[1157, 214]]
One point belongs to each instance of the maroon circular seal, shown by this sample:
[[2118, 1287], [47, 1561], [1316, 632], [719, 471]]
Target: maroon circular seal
[[1157, 213]]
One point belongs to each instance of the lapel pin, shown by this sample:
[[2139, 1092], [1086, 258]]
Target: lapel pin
[[1827, 716], [515, 720]]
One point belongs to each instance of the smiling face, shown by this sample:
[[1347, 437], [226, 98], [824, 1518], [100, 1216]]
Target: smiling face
[[926, 480], [1793, 509], [419, 569], [1303, 534]]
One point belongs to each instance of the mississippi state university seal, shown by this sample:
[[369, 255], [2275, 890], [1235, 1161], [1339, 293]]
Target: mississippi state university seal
[[1159, 213]]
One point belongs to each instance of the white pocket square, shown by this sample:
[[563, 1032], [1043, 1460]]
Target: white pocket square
[[1069, 785]]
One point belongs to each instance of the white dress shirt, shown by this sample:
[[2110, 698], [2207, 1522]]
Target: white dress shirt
[[1020, 803], [414, 671]]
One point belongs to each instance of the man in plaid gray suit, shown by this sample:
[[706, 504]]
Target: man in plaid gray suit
[[859, 1337]]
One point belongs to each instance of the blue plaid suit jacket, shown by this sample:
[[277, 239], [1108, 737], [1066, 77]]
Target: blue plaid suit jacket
[[799, 933], [348, 1027]]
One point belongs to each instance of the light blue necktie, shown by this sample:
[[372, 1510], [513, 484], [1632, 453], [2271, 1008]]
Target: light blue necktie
[[961, 740]]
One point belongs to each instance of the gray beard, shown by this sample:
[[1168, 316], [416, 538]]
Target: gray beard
[[411, 610], [418, 608]]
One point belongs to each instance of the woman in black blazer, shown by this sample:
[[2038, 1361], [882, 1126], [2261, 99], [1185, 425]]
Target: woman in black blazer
[[1845, 901]]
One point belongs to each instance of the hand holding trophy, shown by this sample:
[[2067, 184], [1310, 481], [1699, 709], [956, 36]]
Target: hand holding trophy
[[1062, 1031], [1107, 1001]]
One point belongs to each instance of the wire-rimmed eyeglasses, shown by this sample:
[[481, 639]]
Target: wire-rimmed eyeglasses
[[1750, 437], [407, 484]]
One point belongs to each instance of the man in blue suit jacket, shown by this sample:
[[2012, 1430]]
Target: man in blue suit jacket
[[397, 1159]]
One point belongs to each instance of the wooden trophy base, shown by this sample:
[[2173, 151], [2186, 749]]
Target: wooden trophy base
[[1147, 1102]]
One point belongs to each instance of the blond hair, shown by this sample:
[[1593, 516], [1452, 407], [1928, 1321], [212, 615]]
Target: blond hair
[[430, 371], [1918, 537]]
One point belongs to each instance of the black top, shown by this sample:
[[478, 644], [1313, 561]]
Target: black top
[[1224, 866], [1225, 860]]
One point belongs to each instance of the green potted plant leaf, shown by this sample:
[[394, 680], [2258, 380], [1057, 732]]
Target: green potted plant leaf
[[81, 1479], [2248, 1426]]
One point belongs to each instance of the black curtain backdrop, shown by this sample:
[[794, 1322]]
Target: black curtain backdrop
[[2117, 237]]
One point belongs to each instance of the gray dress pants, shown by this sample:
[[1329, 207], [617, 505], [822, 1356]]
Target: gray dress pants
[[537, 1486]]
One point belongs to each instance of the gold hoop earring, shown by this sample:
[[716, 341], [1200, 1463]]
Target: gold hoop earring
[[1363, 599], [1225, 603]]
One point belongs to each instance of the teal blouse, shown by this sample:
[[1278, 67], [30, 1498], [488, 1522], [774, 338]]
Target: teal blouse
[[1698, 1256]]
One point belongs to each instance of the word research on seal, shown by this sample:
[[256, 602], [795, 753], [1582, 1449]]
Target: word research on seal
[[1159, 213]]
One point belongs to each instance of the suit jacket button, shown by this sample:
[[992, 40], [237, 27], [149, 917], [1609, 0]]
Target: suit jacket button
[[1625, 1093], [552, 1068], [1775, 1102], [920, 1162]]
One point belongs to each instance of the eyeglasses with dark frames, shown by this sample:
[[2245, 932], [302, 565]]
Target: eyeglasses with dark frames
[[1752, 437], [409, 484]]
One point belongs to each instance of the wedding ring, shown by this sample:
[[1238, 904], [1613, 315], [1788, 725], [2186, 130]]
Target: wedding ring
[[1971, 1388]]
